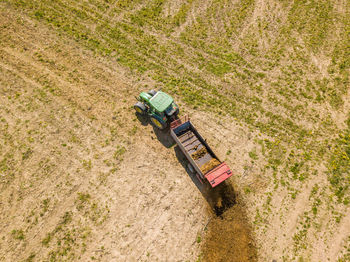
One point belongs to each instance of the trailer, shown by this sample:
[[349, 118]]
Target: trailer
[[202, 160]]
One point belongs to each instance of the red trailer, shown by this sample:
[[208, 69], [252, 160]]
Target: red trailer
[[202, 160]]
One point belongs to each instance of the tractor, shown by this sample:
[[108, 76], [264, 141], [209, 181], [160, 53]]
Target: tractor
[[159, 106]]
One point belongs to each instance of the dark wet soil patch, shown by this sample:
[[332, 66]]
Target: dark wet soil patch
[[221, 198], [228, 236]]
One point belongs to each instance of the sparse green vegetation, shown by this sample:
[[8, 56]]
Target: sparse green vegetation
[[46, 240], [17, 234], [253, 155], [30, 258], [199, 239], [279, 69], [339, 166]]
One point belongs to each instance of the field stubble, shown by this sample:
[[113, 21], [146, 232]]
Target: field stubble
[[275, 72]]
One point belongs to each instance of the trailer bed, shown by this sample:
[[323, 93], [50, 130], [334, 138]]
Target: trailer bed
[[198, 152], [192, 144]]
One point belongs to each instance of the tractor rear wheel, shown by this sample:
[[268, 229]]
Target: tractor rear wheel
[[140, 108], [157, 123]]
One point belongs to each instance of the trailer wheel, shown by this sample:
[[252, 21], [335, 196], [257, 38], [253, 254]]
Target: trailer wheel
[[190, 168]]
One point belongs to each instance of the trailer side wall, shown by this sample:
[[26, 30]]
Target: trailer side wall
[[181, 130]]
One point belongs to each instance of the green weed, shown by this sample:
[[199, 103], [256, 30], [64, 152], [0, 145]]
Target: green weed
[[18, 234]]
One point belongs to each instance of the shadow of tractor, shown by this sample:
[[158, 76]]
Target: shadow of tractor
[[162, 135]]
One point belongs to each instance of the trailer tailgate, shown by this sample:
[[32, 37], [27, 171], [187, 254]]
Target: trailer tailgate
[[218, 174]]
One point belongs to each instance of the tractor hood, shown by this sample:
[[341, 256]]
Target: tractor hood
[[145, 96], [161, 101]]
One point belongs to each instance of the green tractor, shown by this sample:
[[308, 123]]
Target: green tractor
[[160, 107]]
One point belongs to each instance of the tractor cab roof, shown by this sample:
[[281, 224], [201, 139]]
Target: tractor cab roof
[[161, 101]]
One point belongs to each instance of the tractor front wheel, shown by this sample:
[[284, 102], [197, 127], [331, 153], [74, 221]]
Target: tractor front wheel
[[158, 123], [140, 108]]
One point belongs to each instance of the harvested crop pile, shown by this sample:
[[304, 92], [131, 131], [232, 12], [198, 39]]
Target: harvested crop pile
[[199, 153], [228, 238], [210, 165]]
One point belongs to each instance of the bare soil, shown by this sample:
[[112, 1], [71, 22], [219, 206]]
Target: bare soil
[[229, 237], [86, 179], [82, 178]]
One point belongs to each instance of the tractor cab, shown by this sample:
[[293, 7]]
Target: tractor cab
[[161, 101], [159, 106]]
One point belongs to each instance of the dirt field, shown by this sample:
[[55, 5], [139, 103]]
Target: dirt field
[[229, 237], [82, 178]]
